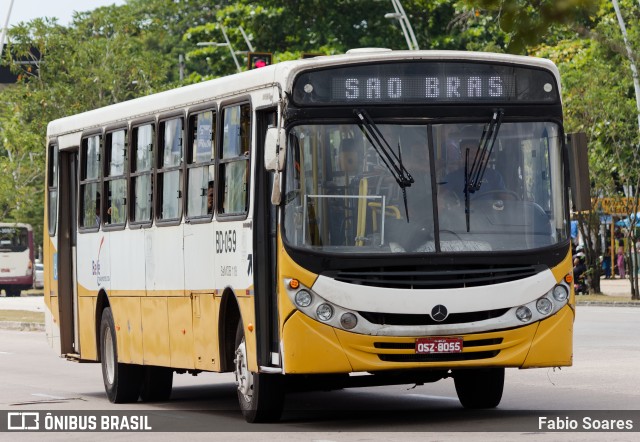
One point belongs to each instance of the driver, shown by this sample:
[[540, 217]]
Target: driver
[[454, 181]]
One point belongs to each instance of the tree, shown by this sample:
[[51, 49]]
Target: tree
[[99, 60]]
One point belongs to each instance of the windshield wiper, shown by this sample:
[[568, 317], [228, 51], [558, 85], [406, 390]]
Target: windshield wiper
[[473, 177], [391, 160]]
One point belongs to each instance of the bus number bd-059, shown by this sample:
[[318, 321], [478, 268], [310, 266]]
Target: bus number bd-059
[[226, 241]]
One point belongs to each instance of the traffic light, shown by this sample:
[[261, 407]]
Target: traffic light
[[259, 59]]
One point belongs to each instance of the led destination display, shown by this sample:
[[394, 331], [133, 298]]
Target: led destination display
[[425, 82]]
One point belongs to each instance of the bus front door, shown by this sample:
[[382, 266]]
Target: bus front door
[[67, 236]]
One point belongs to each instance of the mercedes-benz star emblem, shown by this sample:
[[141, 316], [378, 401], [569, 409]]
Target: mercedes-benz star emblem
[[439, 313]]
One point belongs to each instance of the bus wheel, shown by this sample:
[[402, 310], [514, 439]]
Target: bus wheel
[[121, 381], [13, 292], [479, 388], [156, 384], [261, 395]]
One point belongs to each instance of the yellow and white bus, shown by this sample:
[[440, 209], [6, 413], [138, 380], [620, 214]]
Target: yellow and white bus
[[379, 217]]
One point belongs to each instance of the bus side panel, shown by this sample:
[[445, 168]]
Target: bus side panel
[[93, 263], [86, 314], [199, 250], [181, 332], [164, 255], [205, 331], [127, 263], [127, 320], [52, 324], [51, 292], [155, 331]]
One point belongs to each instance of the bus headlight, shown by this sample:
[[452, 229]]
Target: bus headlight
[[544, 306], [324, 312], [560, 293], [303, 298], [348, 321], [524, 314]]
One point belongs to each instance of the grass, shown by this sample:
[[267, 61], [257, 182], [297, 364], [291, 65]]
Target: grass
[[605, 298], [21, 316]]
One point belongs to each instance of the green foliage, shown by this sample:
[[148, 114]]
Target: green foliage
[[117, 53]]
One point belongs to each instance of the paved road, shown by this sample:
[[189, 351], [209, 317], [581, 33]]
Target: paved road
[[605, 376]]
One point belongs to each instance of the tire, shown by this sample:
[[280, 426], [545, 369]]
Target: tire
[[121, 381], [479, 388], [13, 292], [261, 395], [156, 384]]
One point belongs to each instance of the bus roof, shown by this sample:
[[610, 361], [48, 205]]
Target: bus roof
[[23, 225], [279, 74]]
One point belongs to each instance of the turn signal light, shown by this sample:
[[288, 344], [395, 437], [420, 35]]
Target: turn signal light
[[568, 278], [294, 284]]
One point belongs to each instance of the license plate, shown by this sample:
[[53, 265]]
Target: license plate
[[438, 345]]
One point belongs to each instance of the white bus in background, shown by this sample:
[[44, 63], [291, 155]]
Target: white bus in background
[[16, 258]]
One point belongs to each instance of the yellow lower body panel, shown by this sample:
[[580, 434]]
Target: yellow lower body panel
[[87, 314], [553, 344], [313, 347]]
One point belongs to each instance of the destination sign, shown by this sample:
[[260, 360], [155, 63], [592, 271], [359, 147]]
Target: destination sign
[[425, 82]]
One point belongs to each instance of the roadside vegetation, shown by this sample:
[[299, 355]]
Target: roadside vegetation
[[117, 53]]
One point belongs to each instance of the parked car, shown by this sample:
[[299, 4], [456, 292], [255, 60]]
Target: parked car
[[38, 282]]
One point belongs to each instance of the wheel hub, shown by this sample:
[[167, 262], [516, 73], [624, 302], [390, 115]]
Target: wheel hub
[[109, 356], [244, 378]]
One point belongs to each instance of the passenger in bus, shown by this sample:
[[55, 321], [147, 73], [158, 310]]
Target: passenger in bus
[[210, 198]]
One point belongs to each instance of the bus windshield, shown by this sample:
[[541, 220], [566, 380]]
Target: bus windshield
[[341, 197], [13, 239]]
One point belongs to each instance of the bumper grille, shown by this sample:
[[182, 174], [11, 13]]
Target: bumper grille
[[411, 319]]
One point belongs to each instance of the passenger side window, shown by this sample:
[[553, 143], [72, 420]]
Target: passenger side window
[[233, 195], [115, 179], [200, 176], [141, 174], [169, 178], [90, 198]]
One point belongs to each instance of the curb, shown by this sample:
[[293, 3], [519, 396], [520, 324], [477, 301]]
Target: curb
[[21, 326], [608, 303]]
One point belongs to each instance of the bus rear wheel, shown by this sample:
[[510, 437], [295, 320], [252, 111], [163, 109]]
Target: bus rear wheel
[[121, 381], [261, 395], [479, 388], [13, 291]]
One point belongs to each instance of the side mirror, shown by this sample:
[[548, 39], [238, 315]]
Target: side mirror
[[274, 149], [579, 171]]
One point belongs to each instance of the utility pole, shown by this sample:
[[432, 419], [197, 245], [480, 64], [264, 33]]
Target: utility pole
[[4, 29], [405, 24]]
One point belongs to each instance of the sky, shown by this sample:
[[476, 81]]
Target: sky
[[25, 10]]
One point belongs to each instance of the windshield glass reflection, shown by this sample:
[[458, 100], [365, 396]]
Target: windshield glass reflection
[[340, 197]]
